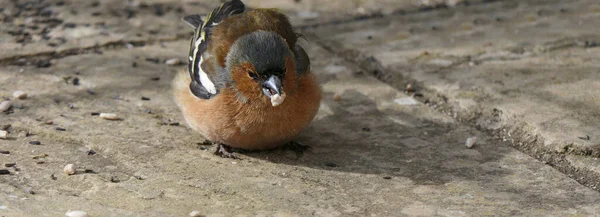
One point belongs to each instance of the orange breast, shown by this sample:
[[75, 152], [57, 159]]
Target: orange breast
[[252, 125]]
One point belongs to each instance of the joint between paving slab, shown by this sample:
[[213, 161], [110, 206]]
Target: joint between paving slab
[[517, 133]]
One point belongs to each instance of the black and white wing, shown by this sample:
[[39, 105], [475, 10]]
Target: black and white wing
[[202, 86]]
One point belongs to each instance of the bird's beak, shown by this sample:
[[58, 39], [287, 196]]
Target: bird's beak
[[272, 89]]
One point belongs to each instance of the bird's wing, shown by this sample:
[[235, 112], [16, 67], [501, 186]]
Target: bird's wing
[[202, 86], [302, 60]]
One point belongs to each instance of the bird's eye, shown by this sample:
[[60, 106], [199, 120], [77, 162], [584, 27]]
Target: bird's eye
[[252, 75]]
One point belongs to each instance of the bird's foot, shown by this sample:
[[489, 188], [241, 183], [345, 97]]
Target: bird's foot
[[297, 147], [225, 151]]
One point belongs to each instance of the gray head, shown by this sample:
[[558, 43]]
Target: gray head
[[267, 52]]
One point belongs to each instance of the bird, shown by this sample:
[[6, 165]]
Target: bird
[[248, 84]]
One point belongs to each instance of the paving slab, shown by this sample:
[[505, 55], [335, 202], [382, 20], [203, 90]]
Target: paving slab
[[524, 70], [375, 151]]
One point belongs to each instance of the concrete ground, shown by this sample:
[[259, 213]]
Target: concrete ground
[[520, 76]]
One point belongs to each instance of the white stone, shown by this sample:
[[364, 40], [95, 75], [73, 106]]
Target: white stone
[[470, 142], [441, 62], [69, 169], [406, 101], [3, 134], [173, 62], [5, 105], [20, 94], [195, 213], [110, 116], [308, 14], [76, 213]]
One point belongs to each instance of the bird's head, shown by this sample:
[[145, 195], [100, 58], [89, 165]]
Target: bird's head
[[261, 65]]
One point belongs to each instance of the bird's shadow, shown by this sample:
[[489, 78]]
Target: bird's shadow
[[359, 138]]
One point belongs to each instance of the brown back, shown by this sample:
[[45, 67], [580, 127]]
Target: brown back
[[230, 29]]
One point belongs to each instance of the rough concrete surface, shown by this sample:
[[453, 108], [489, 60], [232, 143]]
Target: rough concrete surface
[[376, 150], [62, 27], [525, 70]]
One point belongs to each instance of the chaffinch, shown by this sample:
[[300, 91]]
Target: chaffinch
[[249, 84]]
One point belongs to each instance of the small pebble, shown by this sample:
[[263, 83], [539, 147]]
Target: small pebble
[[61, 129], [91, 152], [195, 213], [76, 81], [114, 179], [95, 113], [53, 177], [173, 62], [69, 169], [330, 164], [20, 94], [110, 116], [4, 172], [155, 78], [409, 88], [5, 106], [154, 60], [406, 101], [40, 156], [387, 177], [337, 97], [4, 152], [3, 134], [29, 191], [117, 97], [35, 143], [10, 164], [139, 178], [145, 98], [76, 213], [174, 124], [470, 142], [49, 122]]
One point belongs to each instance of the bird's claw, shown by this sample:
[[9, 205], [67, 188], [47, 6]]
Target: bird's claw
[[298, 148], [225, 152]]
